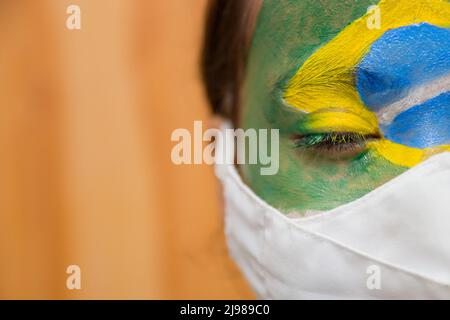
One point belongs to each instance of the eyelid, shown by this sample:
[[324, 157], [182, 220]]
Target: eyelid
[[332, 120], [332, 138], [333, 146]]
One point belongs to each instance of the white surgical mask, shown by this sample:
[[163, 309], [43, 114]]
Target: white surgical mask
[[393, 243]]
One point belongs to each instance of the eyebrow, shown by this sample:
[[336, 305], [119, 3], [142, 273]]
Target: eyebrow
[[327, 77]]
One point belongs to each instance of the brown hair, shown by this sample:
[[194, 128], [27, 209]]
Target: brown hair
[[227, 40]]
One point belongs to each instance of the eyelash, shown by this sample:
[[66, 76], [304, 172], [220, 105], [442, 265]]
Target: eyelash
[[333, 143]]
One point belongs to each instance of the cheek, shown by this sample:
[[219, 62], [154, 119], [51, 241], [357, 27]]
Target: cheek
[[326, 185], [305, 184]]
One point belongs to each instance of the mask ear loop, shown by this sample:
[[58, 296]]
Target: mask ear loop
[[224, 150]]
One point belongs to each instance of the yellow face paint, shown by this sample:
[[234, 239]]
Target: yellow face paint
[[325, 86], [339, 120]]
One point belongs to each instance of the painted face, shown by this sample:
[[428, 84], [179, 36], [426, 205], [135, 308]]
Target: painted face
[[359, 96]]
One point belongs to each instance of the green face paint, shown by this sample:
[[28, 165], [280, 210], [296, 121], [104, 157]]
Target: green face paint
[[287, 34]]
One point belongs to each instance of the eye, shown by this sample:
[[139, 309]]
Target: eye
[[333, 145]]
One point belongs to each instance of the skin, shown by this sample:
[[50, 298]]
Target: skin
[[288, 33]]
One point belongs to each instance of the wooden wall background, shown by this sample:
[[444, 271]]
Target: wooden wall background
[[85, 170]]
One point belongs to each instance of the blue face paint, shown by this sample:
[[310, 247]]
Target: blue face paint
[[424, 125], [400, 60]]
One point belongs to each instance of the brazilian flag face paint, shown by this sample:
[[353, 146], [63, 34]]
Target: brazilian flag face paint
[[357, 103]]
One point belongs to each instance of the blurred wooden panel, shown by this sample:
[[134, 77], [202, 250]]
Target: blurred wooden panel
[[167, 55], [85, 171]]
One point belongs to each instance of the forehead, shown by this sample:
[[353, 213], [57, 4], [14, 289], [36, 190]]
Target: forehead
[[329, 35], [288, 31], [286, 34]]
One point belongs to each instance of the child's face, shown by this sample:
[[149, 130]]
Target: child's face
[[358, 97]]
